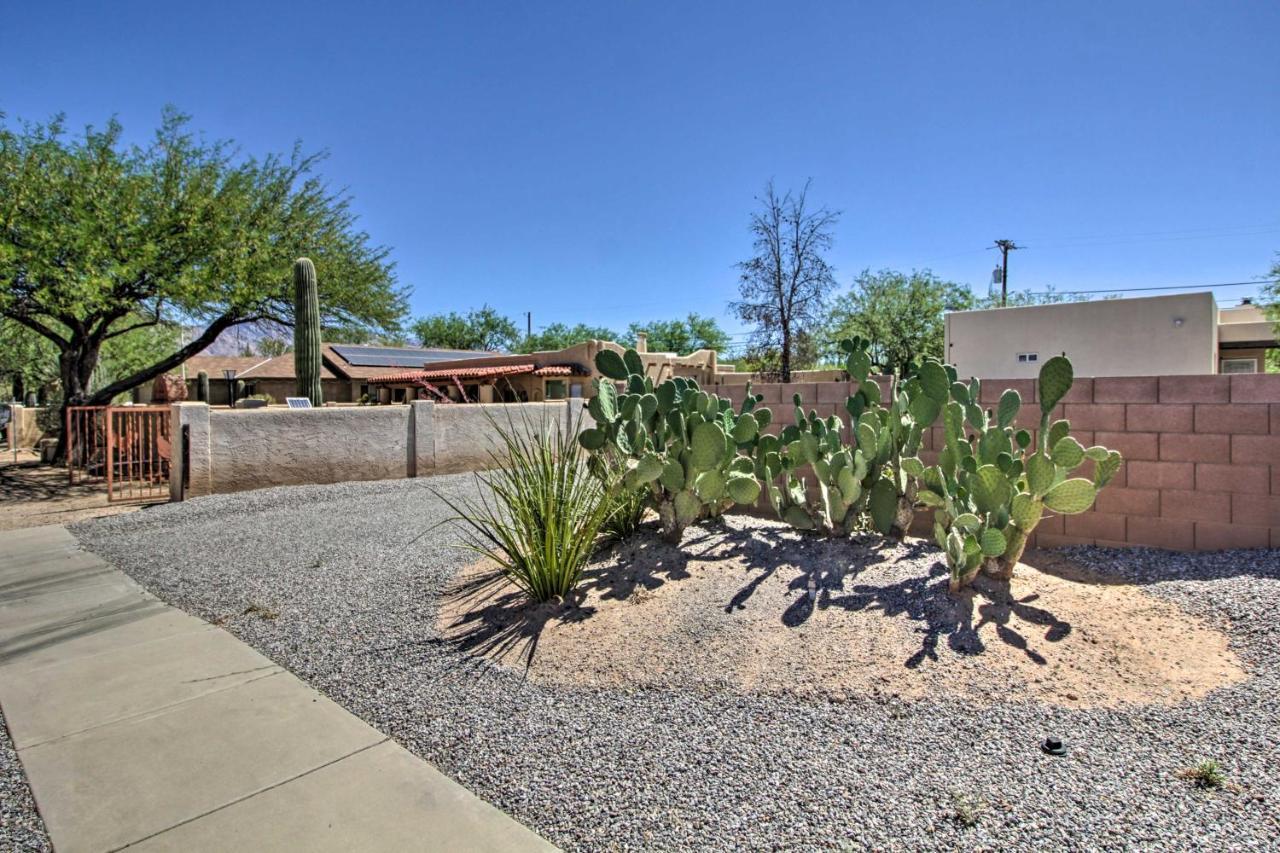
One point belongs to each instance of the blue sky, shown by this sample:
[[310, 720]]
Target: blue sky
[[597, 161]]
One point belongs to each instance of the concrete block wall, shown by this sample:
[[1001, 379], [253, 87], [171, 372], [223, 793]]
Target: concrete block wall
[[1202, 455], [232, 451]]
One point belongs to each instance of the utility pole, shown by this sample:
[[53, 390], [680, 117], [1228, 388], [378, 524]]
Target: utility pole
[[1005, 247], [528, 325]]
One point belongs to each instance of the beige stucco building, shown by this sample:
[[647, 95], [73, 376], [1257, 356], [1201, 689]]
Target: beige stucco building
[[1149, 336], [530, 377]]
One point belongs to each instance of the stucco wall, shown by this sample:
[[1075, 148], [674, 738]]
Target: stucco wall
[[232, 451], [25, 425], [1122, 337]]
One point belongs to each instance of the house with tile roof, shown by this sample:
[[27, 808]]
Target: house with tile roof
[[353, 373]]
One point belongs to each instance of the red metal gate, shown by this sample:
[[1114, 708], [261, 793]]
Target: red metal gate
[[127, 446]]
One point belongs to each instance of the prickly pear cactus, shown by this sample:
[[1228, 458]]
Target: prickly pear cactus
[[674, 439], [890, 437], [306, 331], [992, 484], [838, 472]]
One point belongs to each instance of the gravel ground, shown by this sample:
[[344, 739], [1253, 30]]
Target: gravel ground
[[21, 828], [340, 583]]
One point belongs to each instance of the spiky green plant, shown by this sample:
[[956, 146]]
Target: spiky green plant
[[540, 510], [627, 511], [869, 483], [990, 490], [1206, 774], [202, 387], [890, 436], [306, 331], [838, 472], [675, 440]]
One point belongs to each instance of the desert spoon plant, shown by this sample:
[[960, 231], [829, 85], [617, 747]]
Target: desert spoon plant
[[990, 490]]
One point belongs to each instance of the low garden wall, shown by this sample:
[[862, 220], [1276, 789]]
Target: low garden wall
[[1202, 455], [232, 451]]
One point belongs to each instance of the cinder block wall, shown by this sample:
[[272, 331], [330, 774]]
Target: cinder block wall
[[1202, 455]]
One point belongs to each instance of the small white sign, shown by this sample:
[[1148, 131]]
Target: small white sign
[[298, 402]]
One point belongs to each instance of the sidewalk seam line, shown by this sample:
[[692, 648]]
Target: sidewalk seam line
[[150, 712], [250, 796]]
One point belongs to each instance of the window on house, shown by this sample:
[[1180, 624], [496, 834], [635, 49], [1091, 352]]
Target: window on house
[[1028, 357], [555, 389], [1239, 365]]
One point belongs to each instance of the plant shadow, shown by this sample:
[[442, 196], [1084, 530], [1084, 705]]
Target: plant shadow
[[826, 576], [490, 618]]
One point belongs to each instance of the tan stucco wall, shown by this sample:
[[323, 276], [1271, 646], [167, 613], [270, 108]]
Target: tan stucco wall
[[24, 425], [465, 435], [236, 450], [1114, 337], [258, 448]]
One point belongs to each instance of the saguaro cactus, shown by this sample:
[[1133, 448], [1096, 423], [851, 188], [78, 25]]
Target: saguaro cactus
[[202, 387], [306, 331]]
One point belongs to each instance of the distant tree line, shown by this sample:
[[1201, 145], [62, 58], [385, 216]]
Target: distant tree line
[[486, 329]]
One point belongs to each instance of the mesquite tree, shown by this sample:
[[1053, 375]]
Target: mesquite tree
[[784, 286], [99, 238]]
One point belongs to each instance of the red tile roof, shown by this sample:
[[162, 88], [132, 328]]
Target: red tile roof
[[490, 372]]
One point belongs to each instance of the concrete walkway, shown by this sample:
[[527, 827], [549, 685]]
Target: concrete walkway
[[141, 726]]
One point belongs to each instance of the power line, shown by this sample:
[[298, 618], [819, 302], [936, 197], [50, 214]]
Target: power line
[[1169, 287]]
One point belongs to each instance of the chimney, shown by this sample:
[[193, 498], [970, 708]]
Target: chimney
[[642, 341]]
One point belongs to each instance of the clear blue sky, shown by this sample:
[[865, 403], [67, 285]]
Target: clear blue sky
[[597, 161]]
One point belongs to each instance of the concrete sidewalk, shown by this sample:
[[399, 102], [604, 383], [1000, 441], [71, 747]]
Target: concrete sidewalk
[[141, 726]]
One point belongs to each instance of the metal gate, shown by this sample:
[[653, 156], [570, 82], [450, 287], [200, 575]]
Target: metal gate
[[127, 446]]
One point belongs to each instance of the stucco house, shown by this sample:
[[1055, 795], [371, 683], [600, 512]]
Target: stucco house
[[345, 371], [531, 377], [1172, 335]]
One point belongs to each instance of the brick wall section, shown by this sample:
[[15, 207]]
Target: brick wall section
[[1202, 455]]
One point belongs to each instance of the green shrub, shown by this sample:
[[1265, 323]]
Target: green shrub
[[540, 510], [626, 513]]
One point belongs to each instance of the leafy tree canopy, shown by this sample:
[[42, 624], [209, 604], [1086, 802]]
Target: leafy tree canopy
[[900, 313], [484, 329], [682, 337], [99, 239], [560, 336]]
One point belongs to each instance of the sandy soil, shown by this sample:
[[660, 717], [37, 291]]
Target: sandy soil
[[753, 606], [33, 494]]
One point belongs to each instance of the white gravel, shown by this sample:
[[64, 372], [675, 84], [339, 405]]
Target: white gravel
[[341, 584], [21, 828]]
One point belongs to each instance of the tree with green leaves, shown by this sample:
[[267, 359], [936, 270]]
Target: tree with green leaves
[[272, 347], [681, 337], [28, 362], [100, 239], [901, 314], [784, 286], [483, 330], [558, 336]]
